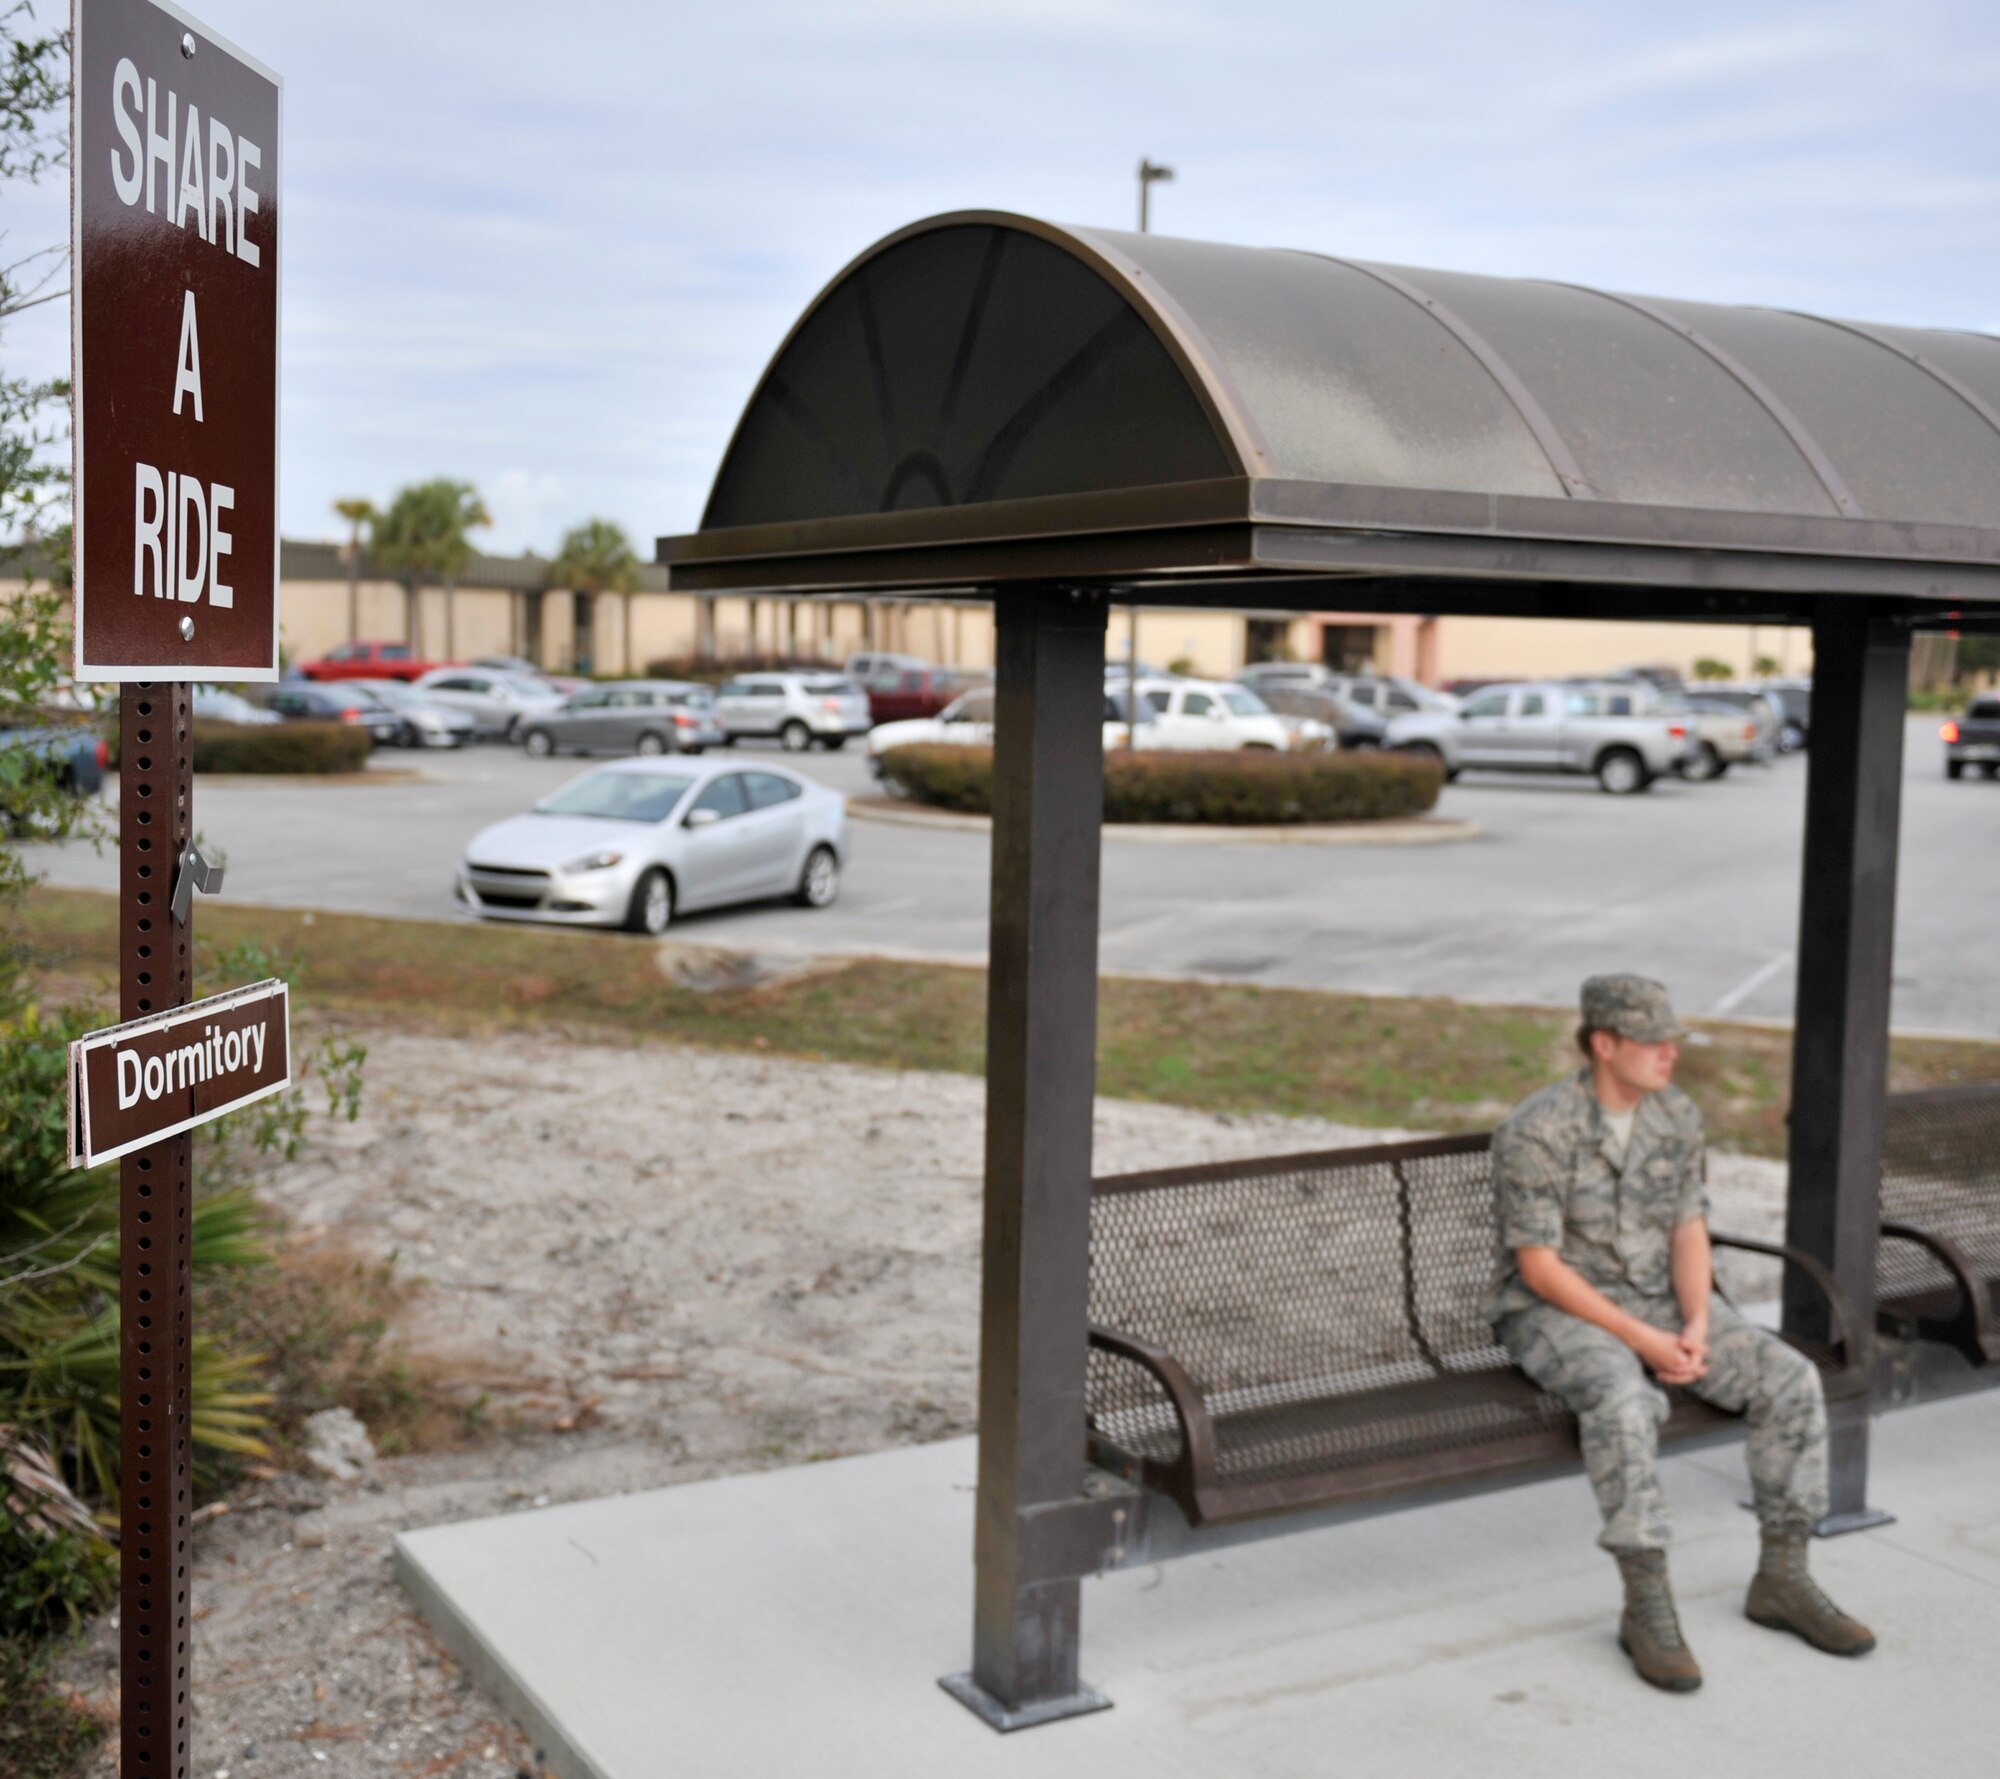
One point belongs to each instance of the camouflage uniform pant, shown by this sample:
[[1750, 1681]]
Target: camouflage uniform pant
[[1619, 1408]]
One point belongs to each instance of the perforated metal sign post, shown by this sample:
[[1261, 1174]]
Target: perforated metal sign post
[[174, 180], [175, 248]]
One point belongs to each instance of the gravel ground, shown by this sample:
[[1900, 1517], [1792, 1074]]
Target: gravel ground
[[660, 1265]]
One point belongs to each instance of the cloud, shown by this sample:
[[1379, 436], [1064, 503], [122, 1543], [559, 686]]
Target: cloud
[[551, 252]]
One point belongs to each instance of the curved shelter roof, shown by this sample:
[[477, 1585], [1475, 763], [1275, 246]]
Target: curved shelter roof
[[982, 398]]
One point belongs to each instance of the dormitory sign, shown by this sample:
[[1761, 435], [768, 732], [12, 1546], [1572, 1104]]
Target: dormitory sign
[[131, 1085], [175, 261]]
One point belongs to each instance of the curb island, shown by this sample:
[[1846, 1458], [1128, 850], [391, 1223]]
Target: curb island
[[1420, 830]]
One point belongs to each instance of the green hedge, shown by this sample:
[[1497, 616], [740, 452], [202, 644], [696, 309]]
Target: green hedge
[[1231, 789], [274, 747]]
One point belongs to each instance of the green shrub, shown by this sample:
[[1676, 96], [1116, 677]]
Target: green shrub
[[712, 670], [946, 777], [1933, 699], [51, 1580], [274, 747], [1250, 788], [280, 747]]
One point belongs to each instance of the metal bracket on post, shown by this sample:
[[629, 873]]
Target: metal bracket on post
[[193, 872]]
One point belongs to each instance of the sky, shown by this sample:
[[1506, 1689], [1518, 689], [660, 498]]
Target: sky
[[548, 250]]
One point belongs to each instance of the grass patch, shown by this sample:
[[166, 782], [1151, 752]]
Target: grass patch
[[321, 1319], [44, 1732], [1418, 1063]]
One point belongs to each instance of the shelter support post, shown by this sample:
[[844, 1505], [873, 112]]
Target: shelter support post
[[1041, 1045], [155, 1237], [1840, 1057]]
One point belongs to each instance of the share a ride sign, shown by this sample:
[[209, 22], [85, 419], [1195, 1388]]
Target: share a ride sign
[[131, 1085], [175, 274]]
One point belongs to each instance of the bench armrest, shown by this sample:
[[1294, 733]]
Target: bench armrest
[[1959, 1264], [1844, 1319], [1197, 1431]]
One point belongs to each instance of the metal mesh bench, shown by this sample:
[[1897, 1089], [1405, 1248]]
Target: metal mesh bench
[[1301, 1331], [1937, 1270]]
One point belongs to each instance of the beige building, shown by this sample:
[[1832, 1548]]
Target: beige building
[[503, 605]]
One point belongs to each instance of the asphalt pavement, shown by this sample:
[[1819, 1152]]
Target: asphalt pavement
[[1697, 884]]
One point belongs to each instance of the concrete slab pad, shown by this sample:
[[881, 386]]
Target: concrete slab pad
[[798, 1621]]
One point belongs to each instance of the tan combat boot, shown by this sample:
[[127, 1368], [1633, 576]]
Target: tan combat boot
[[1650, 1632], [1785, 1598]]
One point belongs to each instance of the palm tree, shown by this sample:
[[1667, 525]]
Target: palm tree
[[423, 535], [357, 512], [597, 558]]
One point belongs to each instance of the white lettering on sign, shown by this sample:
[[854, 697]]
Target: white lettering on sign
[[187, 372], [177, 533], [215, 188], [218, 1053]]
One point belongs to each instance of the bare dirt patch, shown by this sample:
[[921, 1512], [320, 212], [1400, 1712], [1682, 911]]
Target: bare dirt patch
[[655, 1264]]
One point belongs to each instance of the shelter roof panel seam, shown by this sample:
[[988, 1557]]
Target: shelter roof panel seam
[[1977, 403], [1569, 473], [1807, 446]]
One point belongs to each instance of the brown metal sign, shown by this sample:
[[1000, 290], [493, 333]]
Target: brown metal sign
[[132, 1084], [175, 259]]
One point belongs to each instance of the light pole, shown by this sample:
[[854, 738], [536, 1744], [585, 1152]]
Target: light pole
[[1149, 173]]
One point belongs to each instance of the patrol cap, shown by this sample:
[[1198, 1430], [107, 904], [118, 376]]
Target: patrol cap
[[1634, 1007]]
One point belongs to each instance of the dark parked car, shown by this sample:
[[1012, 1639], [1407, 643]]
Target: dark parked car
[[336, 703], [70, 754], [1794, 701], [1352, 726], [627, 717], [1974, 740]]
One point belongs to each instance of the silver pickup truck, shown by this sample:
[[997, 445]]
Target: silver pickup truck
[[1600, 730]]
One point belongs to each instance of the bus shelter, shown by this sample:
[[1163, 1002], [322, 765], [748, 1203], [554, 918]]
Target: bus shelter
[[1059, 419]]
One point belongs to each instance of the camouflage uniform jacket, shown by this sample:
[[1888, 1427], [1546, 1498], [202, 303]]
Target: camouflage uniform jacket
[[1554, 1187]]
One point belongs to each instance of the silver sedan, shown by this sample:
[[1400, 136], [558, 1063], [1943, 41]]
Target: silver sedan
[[636, 842], [425, 724]]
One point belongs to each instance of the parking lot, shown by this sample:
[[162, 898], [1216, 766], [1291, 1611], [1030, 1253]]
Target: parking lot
[[1694, 883]]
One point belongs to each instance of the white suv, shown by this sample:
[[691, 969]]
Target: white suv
[[797, 708], [1200, 714]]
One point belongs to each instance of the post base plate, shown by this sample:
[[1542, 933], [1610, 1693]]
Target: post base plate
[[983, 1705]]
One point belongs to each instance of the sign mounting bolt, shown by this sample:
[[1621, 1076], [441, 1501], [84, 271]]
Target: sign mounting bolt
[[187, 45], [187, 630]]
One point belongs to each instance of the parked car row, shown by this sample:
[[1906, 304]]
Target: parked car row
[[1627, 729], [394, 714], [1187, 714], [1380, 694]]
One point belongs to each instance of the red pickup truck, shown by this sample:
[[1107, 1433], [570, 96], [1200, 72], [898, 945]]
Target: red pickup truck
[[898, 694], [367, 660]]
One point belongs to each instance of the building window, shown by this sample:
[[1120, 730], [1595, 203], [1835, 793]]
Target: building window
[[1348, 648], [1266, 639]]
